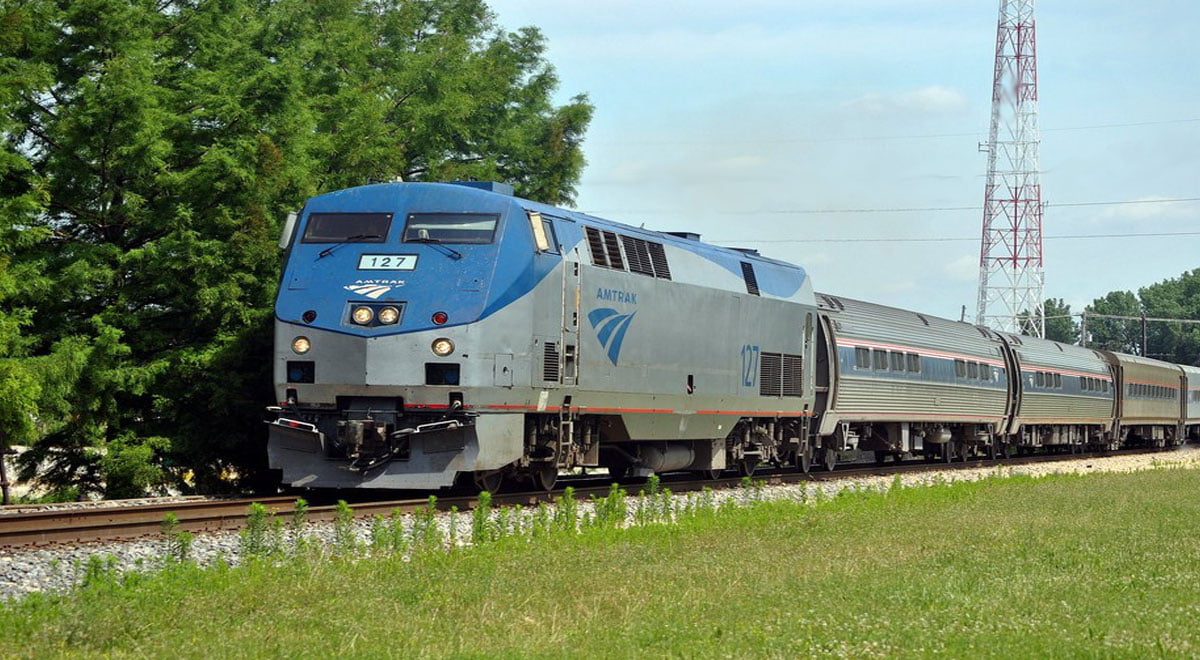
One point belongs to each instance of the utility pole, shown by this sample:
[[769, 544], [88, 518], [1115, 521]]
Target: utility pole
[[1011, 274]]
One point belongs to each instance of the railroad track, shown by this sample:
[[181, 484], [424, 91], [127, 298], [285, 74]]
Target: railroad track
[[91, 524]]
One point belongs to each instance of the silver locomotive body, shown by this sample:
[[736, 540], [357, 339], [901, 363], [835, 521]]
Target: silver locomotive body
[[526, 340]]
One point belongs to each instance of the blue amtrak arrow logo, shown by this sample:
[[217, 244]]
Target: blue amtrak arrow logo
[[610, 328]]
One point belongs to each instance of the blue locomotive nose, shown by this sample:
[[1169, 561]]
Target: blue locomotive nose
[[397, 258]]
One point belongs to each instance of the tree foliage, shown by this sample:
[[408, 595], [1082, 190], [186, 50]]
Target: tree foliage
[[1060, 325], [150, 150], [1175, 298]]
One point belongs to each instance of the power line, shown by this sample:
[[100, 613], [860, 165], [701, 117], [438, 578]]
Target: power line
[[948, 239], [911, 209]]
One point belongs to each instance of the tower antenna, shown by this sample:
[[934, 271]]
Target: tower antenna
[[1011, 272]]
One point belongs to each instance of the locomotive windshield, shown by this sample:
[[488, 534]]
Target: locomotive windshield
[[347, 227], [450, 227]]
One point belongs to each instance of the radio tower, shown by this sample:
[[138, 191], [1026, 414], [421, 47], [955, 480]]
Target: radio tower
[[1010, 260]]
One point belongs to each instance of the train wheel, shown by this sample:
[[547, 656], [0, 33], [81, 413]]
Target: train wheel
[[746, 466], [804, 460], [948, 452], [992, 451], [830, 459], [491, 481], [711, 475], [880, 457], [546, 476]]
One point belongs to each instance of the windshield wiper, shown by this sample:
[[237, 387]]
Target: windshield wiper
[[357, 237], [450, 252]]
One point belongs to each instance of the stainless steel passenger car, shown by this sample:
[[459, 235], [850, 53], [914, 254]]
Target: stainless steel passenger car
[[1150, 401], [1066, 396], [895, 381], [1191, 402]]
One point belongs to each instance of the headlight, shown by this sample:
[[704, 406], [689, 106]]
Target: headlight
[[389, 315], [362, 315], [300, 345], [442, 347]]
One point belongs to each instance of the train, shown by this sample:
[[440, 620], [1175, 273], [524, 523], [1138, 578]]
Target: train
[[429, 335]]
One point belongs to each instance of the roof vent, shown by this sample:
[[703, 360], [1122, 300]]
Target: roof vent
[[490, 186], [691, 236]]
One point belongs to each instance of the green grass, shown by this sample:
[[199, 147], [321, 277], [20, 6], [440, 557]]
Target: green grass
[[1098, 566]]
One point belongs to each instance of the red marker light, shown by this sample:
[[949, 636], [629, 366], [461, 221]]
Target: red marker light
[[440, 318]]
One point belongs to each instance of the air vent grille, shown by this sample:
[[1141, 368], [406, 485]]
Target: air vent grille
[[780, 374], [638, 255], [659, 258], [793, 375], [550, 360], [770, 374], [751, 280]]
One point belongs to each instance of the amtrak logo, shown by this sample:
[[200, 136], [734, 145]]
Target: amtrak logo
[[373, 289], [610, 328]]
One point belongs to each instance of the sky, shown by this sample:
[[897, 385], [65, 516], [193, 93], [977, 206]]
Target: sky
[[788, 125]]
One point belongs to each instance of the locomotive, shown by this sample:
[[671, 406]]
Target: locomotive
[[428, 334]]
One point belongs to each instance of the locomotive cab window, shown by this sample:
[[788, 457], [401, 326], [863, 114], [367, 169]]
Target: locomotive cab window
[[472, 228], [347, 227]]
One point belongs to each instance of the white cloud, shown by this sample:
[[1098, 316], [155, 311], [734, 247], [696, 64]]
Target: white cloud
[[926, 100], [1149, 208], [964, 268]]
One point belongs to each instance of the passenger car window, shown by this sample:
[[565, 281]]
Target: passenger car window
[[478, 228], [881, 359], [862, 358], [914, 363], [346, 227]]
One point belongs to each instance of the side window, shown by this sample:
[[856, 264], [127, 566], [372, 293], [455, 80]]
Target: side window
[[914, 363], [881, 359], [1058, 380], [862, 357], [1104, 386], [897, 361], [972, 370], [960, 368], [540, 241], [548, 229], [1041, 379]]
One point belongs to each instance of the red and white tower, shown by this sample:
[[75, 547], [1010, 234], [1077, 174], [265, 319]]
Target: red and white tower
[[1010, 261]]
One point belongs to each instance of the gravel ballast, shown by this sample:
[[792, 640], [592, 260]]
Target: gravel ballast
[[58, 568]]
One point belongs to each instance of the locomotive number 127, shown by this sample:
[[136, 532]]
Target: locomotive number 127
[[749, 365]]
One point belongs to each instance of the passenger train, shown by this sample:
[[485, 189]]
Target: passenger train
[[428, 334]]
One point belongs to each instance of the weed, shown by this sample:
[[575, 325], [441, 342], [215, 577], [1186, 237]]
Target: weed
[[100, 572], [256, 538], [344, 538], [398, 540], [453, 531], [566, 511], [177, 544], [481, 519], [427, 536], [612, 508], [542, 523], [379, 533]]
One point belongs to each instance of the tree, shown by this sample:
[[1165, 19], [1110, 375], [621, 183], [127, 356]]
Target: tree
[[159, 145], [1060, 325], [1115, 334]]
